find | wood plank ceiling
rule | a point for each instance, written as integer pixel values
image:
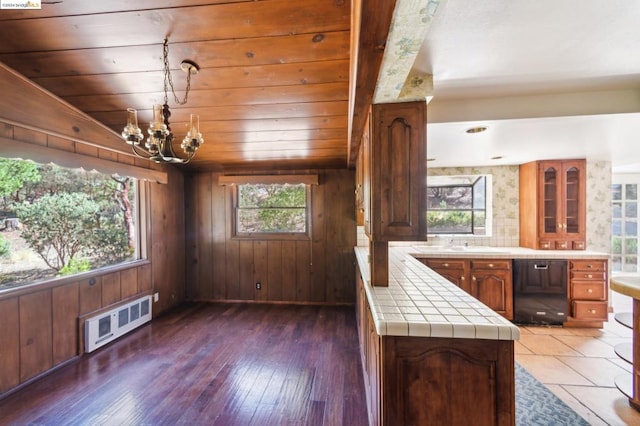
(273, 86)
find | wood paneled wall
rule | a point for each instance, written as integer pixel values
(39, 325)
(318, 270)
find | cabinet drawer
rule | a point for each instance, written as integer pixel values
(596, 311)
(589, 290)
(587, 265)
(586, 275)
(445, 264)
(491, 264)
(546, 245)
(579, 245)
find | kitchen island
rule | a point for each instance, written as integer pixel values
(432, 353)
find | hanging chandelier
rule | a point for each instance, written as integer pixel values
(158, 146)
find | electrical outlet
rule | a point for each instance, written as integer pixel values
(258, 286)
(156, 297)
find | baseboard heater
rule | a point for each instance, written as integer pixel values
(108, 326)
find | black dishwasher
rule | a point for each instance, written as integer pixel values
(539, 291)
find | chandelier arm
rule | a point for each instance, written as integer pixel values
(145, 156)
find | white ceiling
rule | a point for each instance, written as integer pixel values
(548, 78)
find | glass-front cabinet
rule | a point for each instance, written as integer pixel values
(552, 198)
(563, 211)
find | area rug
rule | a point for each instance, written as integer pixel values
(537, 405)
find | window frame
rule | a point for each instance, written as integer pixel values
(141, 215)
(234, 182)
(487, 203)
(619, 260)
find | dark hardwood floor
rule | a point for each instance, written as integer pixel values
(210, 364)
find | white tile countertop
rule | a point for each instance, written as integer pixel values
(466, 252)
(419, 302)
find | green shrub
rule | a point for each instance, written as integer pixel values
(5, 247)
(75, 266)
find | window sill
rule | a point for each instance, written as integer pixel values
(272, 237)
(60, 281)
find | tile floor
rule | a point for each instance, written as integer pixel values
(579, 366)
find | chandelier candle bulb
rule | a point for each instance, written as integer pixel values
(157, 126)
(132, 133)
(194, 139)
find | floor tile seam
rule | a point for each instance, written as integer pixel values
(576, 399)
(578, 373)
(610, 359)
(570, 347)
(540, 379)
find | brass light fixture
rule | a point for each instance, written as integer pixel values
(478, 129)
(158, 146)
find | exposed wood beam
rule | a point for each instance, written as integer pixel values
(26, 104)
(375, 20)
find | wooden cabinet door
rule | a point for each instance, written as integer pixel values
(398, 167)
(550, 205)
(366, 177)
(359, 196)
(573, 201)
(447, 381)
(373, 370)
(494, 288)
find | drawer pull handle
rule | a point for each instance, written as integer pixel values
(589, 290)
(536, 266)
(589, 266)
(592, 311)
(590, 276)
(462, 278)
(446, 265)
(491, 265)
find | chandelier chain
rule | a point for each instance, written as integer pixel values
(168, 82)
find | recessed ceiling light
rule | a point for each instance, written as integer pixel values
(478, 129)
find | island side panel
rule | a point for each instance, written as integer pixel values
(448, 381)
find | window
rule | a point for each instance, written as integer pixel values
(271, 206)
(624, 227)
(277, 208)
(457, 204)
(57, 221)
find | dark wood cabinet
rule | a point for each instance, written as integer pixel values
(393, 190)
(588, 293)
(397, 171)
(488, 280)
(552, 205)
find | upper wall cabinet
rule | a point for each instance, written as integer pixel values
(552, 205)
(395, 176)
